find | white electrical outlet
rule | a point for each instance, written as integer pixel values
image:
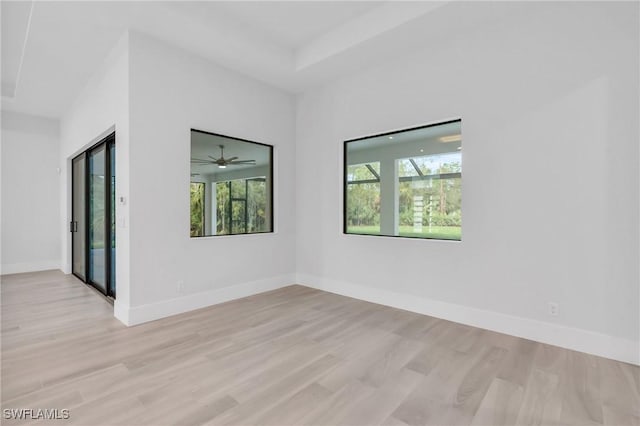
(180, 287)
(554, 308)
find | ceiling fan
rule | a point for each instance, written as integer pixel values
(223, 162)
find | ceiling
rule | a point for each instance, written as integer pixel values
(427, 135)
(204, 145)
(51, 48)
(290, 24)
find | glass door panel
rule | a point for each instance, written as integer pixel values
(112, 216)
(97, 218)
(78, 217)
(223, 208)
(239, 206)
(256, 205)
(238, 216)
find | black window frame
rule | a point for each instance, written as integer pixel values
(346, 182)
(271, 220)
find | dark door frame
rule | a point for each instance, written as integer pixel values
(73, 225)
(109, 145)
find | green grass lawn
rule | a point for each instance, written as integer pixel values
(438, 232)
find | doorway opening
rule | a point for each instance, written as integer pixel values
(92, 225)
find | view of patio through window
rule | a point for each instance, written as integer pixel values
(231, 185)
(241, 206)
(197, 209)
(406, 183)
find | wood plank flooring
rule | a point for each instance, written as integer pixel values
(294, 356)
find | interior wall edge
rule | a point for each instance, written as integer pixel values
(581, 340)
(134, 315)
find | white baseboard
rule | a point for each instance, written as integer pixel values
(19, 268)
(558, 335)
(140, 314)
(121, 312)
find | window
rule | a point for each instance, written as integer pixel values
(234, 183)
(363, 189)
(406, 183)
(197, 209)
(242, 206)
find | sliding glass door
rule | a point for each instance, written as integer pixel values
(97, 218)
(78, 220)
(93, 224)
(111, 162)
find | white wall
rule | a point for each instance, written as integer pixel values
(173, 91)
(548, 95)
(103, 106)
(30, 193)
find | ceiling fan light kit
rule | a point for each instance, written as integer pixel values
(224, 162)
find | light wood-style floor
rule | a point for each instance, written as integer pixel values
(290, 357)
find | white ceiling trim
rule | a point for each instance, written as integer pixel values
(10, 88)
(377, 21)
(68, 40)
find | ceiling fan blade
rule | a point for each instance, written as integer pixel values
(213, 158)
(230, 159)
(243, 162)
(198, 160)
